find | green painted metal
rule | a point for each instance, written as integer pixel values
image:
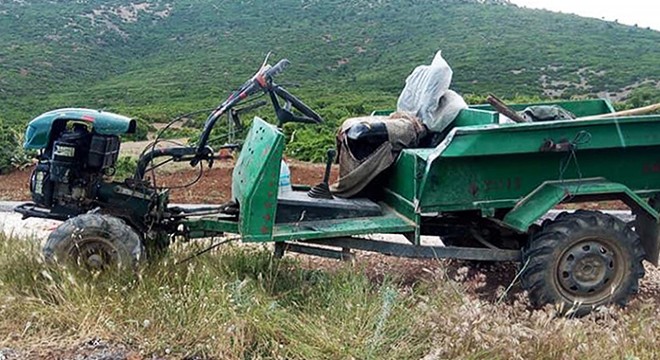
(381, 112)
(202, 227)
(471, 117)
(496, 166)
(390, 222)
(551, 193)
(521, 170)
(485, 114)
(255, 181)
(401, 204)
(39, 129)
(486, 167)
(404, 176)
(529, 137)
(514, 173)
(420, 252)
(578, 107)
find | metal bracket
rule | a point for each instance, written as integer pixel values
(419, 251)
(282, 247)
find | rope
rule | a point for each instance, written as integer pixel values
(581, 138)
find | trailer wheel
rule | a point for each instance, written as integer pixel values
(582, 260)
(95, 242)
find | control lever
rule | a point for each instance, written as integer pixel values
(233, 114)
(322, 190)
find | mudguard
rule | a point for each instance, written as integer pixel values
(39, 130)
(550, 193)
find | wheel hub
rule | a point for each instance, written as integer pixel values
(94, 253)
(95, 261)
(587, 268)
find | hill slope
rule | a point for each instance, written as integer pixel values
(154, 58)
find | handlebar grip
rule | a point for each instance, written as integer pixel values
(277, 68)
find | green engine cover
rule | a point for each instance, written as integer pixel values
(39, 130)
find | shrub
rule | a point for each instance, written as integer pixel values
(125, 167)
(12, 154)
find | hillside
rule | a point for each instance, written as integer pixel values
(154, 59)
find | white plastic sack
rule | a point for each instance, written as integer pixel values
(424, 88)
(450, 106)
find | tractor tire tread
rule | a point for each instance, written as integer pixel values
(538, 256)
(124, 237)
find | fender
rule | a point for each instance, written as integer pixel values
(551, 193)
(41, 128)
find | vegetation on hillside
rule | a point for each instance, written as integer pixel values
(154, 59)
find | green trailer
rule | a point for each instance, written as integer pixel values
(485, 190)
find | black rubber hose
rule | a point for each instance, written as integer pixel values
(174, 152)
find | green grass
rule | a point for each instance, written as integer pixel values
(156, 67)
(239, 303)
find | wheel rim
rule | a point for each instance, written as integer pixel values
(94, 253)
(589, 271)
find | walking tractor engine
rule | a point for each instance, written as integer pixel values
(72, 166)
(78, 153)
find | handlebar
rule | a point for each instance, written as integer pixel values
(259, 81)
(262, 80)
(310, 115)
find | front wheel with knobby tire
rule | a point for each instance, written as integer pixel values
(95, 242)
(581, 261)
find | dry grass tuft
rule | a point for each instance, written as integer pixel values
(240, 303)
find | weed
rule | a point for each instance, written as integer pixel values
(239, 302)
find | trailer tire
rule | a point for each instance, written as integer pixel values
(581, 261)
(95, 242)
